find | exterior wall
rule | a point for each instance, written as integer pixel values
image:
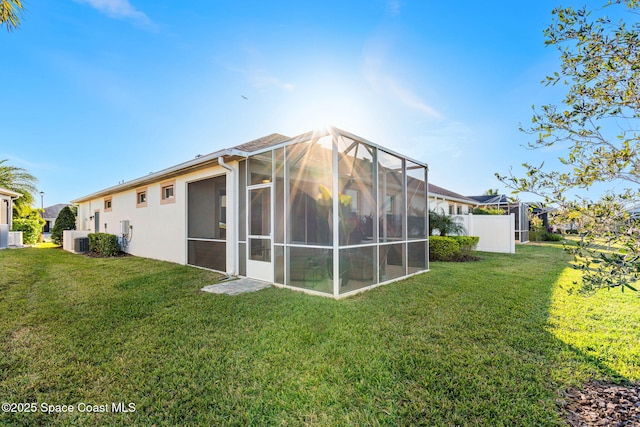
(157, 230)
(496, 232)
(447, 206)
(5, 209)
(5, 219)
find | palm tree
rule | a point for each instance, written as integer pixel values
(10, 13)
(446, 224)
(19, 180)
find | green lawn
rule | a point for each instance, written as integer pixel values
(492, 342)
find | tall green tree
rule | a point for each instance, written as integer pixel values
(19, 180)
(10, 13)
(598, 124)
(66, 220)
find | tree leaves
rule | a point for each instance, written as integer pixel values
(599, 123)
(10, 13)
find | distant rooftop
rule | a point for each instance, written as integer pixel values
(260, 143)
(54, 210)
(435, 190)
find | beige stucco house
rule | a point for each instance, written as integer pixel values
(326, 212)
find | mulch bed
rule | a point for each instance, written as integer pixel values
(602, 404)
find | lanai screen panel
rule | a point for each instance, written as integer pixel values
(391, 192)
(416, 202)
(309, 237)
(207, 223)
(339, 199)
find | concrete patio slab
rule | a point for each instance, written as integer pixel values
(236, 287)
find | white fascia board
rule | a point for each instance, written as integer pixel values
(194, 164)
(454, 199)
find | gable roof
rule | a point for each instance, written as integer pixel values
(435, 190)
(260, 143)
(53, 211)
(234, 153)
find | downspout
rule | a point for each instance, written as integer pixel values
(232, 202)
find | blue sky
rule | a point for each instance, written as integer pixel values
(100, 91)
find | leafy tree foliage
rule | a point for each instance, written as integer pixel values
(66, 221)
(30, 223)
(10, 13)
(19, 180)
(598, 124)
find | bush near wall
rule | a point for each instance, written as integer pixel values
(104, 244)
(544, 236)
(467, 244)
(452, 248)
(31, 229)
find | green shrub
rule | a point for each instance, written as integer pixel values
(31, 228)
(544, 236)
(492, 211)
(467, 244)
(553, 237)
(66, 221)
(104, 244)
(443, 248)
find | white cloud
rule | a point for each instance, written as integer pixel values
(120, 9)
(262, 79)
(394, 6)
(385, 83)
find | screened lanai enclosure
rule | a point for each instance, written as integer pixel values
(329, 213)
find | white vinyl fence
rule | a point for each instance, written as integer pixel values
(496, 232)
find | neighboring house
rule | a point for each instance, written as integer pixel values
(50, 215)
(6, 212)
(519, 209)
(266, 210)
(443, 200)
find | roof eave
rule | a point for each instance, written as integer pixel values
(9, 193)
(454, 199)
(198, 163)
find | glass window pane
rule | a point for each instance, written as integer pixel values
(310, 172)
(391, 262)
(390, 185)
(310, 268)
(260, 211)
(357, 207)
(260, 168)
(418, 256)
(357, 268)
(416, 201)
